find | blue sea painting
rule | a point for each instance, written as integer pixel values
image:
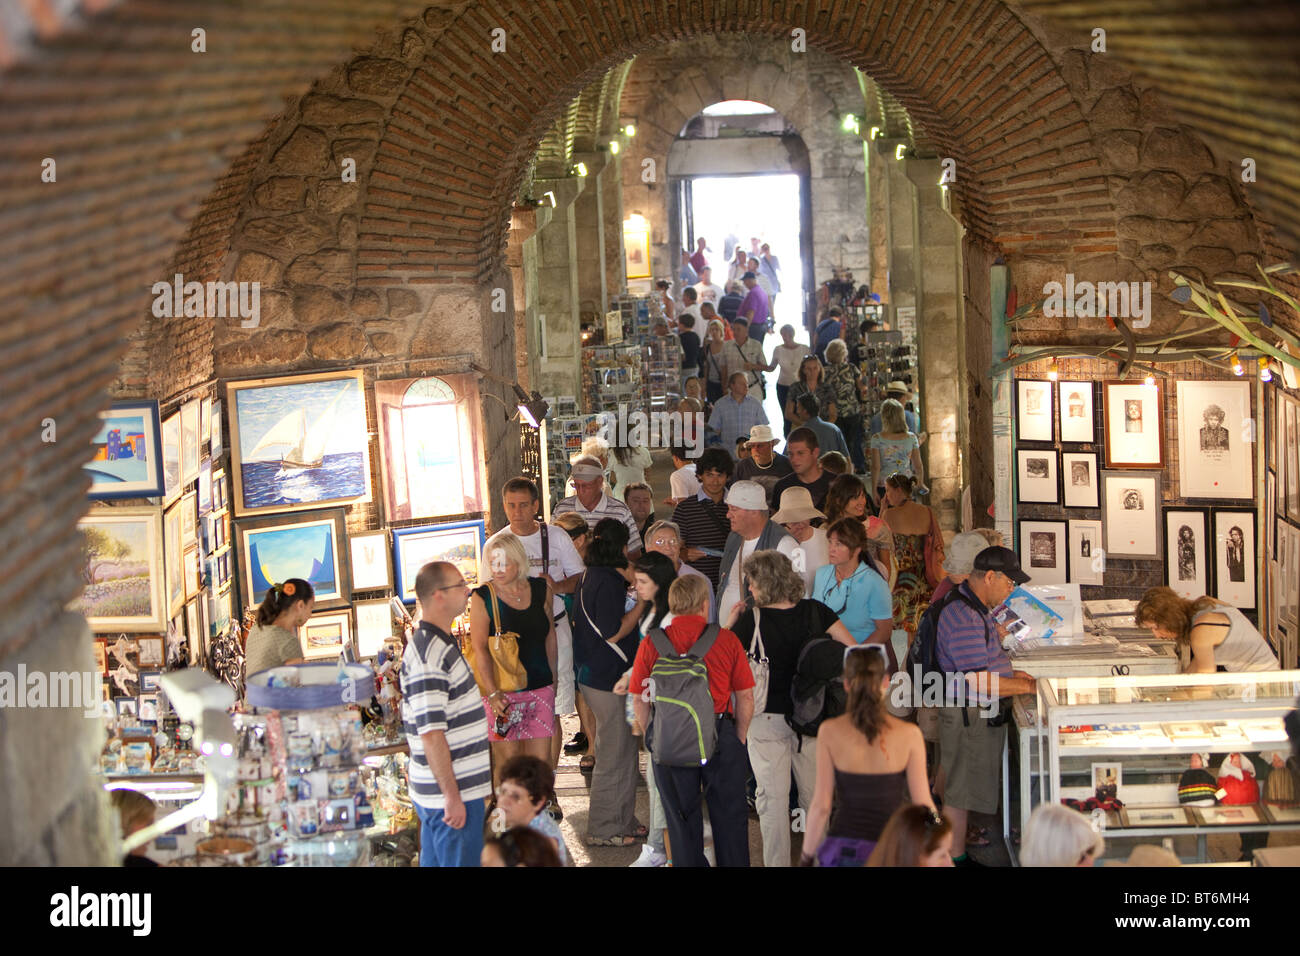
(119, 450)
(302, 444)
(300, 551)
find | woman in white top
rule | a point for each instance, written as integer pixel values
(628, 464)
(787, 356)
(1219, 636)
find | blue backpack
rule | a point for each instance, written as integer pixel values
(828, 330)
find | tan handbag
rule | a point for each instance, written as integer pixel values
(503, 647)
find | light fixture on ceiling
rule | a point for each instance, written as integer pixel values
(1237, 367)
(1265, 373)
(1053, 370)
(851, 124)
(614, 146)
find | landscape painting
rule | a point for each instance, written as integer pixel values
(121, 568)
(126, 453)
(461, 543)
(300, 442)
(272, 550)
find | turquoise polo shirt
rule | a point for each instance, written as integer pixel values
(860, 600)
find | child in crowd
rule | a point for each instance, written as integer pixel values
(519, 846)
(527, 786)
(135, 811)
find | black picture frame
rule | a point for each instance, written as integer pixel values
(1025, 410)
(1052, 459)
(1068, 460)
(1241, 592)
(1174, 520)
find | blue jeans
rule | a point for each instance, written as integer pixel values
(440, 845)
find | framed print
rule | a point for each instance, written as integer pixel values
(1079, 479)
(460, 542)
(370, 568)
(429, 447)
(1042, 551)
(122, 570)
(1033, 410)
(312, 547)
(1293, 577)
(192, 571)
(1282, 814)
(636, 248)
(1290, 453)
(171, 456)
(1234, 556)
(218, 614)
(205, 486)
(192, 626)
(216, 447)
(205, 421)
(189, 441)
(1087, 553)
(1153, 816)
(1216, 433)
(1187, 552)
(219, 491)
(1076, 412)
(325, 634)
(1107, 778)
(175, 581)
(1229, 814)
(1134, 425)
(101, 657)
(1131, 514)
(148, 712)
(151, 652)
(1036, 475)
(127, 707)
(189, 518)
(149, 681)
(374, 626)
(299, 442)
(126, 453)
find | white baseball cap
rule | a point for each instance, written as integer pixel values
(748, 496)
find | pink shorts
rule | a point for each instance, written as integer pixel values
(532, 710)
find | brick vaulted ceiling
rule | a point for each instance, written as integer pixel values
(156, 144)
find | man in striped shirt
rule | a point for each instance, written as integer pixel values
(442, 713)
(590, 501)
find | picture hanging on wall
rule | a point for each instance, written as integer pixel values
(1131, 514)
(1087, 553)
(374, 626)
(299, 442)
(429, 446)
(205, 486)
(370, 567)
(217, 448)
(1134, 425)
(189, 518)
(205, 421)
(1215, 440)
(126, 453)
(273, 549)
(460, 542)
(1187, 551)
(1042, 551)
(1290, 452)
(190, 415)
(1036, 475)
(175, 581)
(1234, 556)
(121, 569)
(324, 635)
(1076, 412)
(171, 456)
(1033, 410)
(1079, 479)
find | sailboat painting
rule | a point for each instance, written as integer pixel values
(126, 452)
(299, 442)
(274, 549)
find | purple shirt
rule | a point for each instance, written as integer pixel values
(968, 640)
(755, 299)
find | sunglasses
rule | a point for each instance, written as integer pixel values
(878, 648)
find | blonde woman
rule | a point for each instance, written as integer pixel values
(522, 720)
(1059, 836)
(894, 449)
(713, 364)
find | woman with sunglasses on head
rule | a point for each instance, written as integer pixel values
(869, 761)
(781, 622)
(853, 588)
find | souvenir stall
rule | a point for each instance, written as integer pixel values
(1128, 471)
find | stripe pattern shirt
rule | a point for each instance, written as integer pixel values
(606, 507)
(439, 693)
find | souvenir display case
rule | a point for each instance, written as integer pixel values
(1130, 745)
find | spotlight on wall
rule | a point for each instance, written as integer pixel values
(580, 169)
(851, 124)
(532, 408)
(1053, 370)
(1265, 373)
(629, 130)
(1237, 367)
(614, 146)
(899, 150)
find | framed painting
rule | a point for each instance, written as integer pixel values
(1042, 551)
(192, 571)
(1216, 436)
(171, 456)
(189, 518)
(172, 560)
(148, 708)
(205, 486)
(218, 613)
(324, 635)
(151, 652)
(1227, 815)
(1036, 476)
(374, 626)
(149, 681)
(1234, 556)
(1289, 452)
(1187, 551)
(1033, 410)
(101, 657)
(216, 447)
(430, 447)
(126, 453)
(1154, 816)
(1079, 479)
(190, 441)
(122, 570)
(299, 442)
(1076, 412)
(459, 542)
(220, 502)
(636, 248)
(273, 549)
(370, 564)
(1087, 553)
(1131, 514)
(192, 628)
(205, 421)
(1134, 425)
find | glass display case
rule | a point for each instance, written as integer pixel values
(1131, 740)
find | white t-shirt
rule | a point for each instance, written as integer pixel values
(732, 596)
(788, 360)
(565, 561)
(631, 473)
(682, 483)
(815, 554)
(709, 293)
